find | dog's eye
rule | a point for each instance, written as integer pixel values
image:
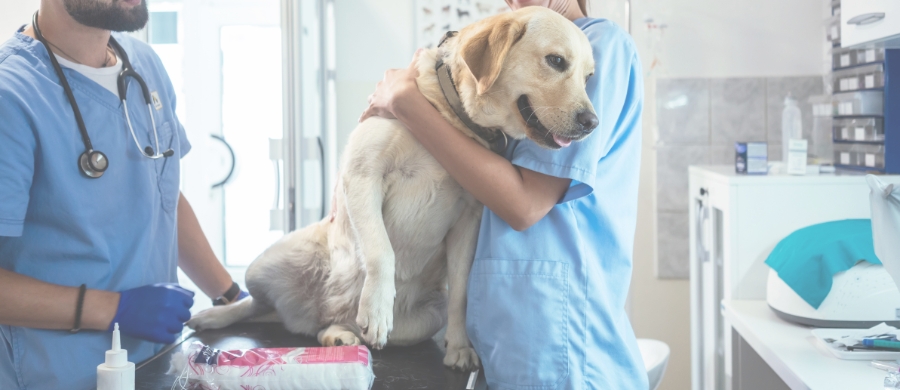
(557, 62)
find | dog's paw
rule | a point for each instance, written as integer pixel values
(337, 336)
(375, 316)
(213, 318)
(461, 358)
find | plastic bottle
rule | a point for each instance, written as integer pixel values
(791, 125)
(117, 373)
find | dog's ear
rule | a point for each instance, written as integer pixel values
(485, 50)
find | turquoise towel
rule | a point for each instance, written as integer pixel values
(808, 258)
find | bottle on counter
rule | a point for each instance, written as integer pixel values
(791, 125)
(117, 373)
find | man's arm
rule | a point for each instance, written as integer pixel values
(32, 303)
(196, 257)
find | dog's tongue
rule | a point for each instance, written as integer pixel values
(563, 142)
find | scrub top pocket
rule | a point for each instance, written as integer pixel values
(517, 320)
(167, 167)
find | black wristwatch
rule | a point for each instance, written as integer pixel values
(229, 296)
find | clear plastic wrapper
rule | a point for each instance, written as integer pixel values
(821, 148)
(859, 129)
(859, 155)
(859, 103)
(200, 367)
(847, 57)
(833, 29)
(862, 77)
(892, 381)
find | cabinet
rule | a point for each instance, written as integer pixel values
(735, 222)
(865, 22)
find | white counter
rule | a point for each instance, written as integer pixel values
(793, 353)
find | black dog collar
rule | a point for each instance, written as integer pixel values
(494, 137)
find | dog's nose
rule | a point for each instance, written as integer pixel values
(587, 120)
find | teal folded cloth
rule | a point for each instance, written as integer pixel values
(808, 259)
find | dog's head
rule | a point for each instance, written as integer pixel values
(525, 73)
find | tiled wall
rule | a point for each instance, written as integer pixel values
(698, 122)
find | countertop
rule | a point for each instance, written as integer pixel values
(416, 367)
(726, 174)
(793, 353)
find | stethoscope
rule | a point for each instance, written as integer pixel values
(93, 162)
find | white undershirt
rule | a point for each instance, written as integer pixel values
(107, 77)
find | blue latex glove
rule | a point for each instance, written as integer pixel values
(242, 295)
(154, 313)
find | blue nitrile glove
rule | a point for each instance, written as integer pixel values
(242, 295)
(155, 313)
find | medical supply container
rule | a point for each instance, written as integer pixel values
(820, 140)
(847, 57)
(866, 127)
(859, 155)
(860, 77)
(791, 126)
(833, 30)
(859, 103)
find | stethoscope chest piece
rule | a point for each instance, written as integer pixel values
(93, 163)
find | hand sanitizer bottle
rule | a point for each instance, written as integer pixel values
(791, 126)
(117, 373)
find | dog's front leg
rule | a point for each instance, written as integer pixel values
(364, 195)
(461, 242)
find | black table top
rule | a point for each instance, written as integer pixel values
(396, 368)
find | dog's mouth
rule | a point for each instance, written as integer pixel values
(540, 132)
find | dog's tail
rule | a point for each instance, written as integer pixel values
(221, 316)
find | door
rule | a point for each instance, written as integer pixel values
(252, 94)
(224, 58)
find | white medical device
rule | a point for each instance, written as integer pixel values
(861, 297)
(864, 295)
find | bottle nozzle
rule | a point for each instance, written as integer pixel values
(116, 373)
(116, 341)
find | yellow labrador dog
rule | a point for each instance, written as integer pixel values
(405, 231)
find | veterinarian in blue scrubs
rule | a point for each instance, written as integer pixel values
(547, 291)
(79, 253)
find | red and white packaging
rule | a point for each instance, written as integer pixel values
(204, 368)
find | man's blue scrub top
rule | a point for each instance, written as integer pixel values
(546, 306)
(58, 226)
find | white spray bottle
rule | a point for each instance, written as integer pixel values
(117, 373)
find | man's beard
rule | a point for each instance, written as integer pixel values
(108, 16)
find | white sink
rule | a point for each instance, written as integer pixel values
(656, 356)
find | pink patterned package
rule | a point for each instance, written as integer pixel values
(204, 368)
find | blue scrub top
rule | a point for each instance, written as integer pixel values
(546, 306)
(58, 226)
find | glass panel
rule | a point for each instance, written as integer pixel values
(163, 27)
(251, 114)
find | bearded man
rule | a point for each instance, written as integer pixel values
(92, 222)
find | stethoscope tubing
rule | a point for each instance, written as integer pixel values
(122, 84)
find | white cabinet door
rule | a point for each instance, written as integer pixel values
(870, 21)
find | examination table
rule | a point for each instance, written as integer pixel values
(396, 368)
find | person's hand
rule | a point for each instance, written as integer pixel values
(397, 85)
(154, 313)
